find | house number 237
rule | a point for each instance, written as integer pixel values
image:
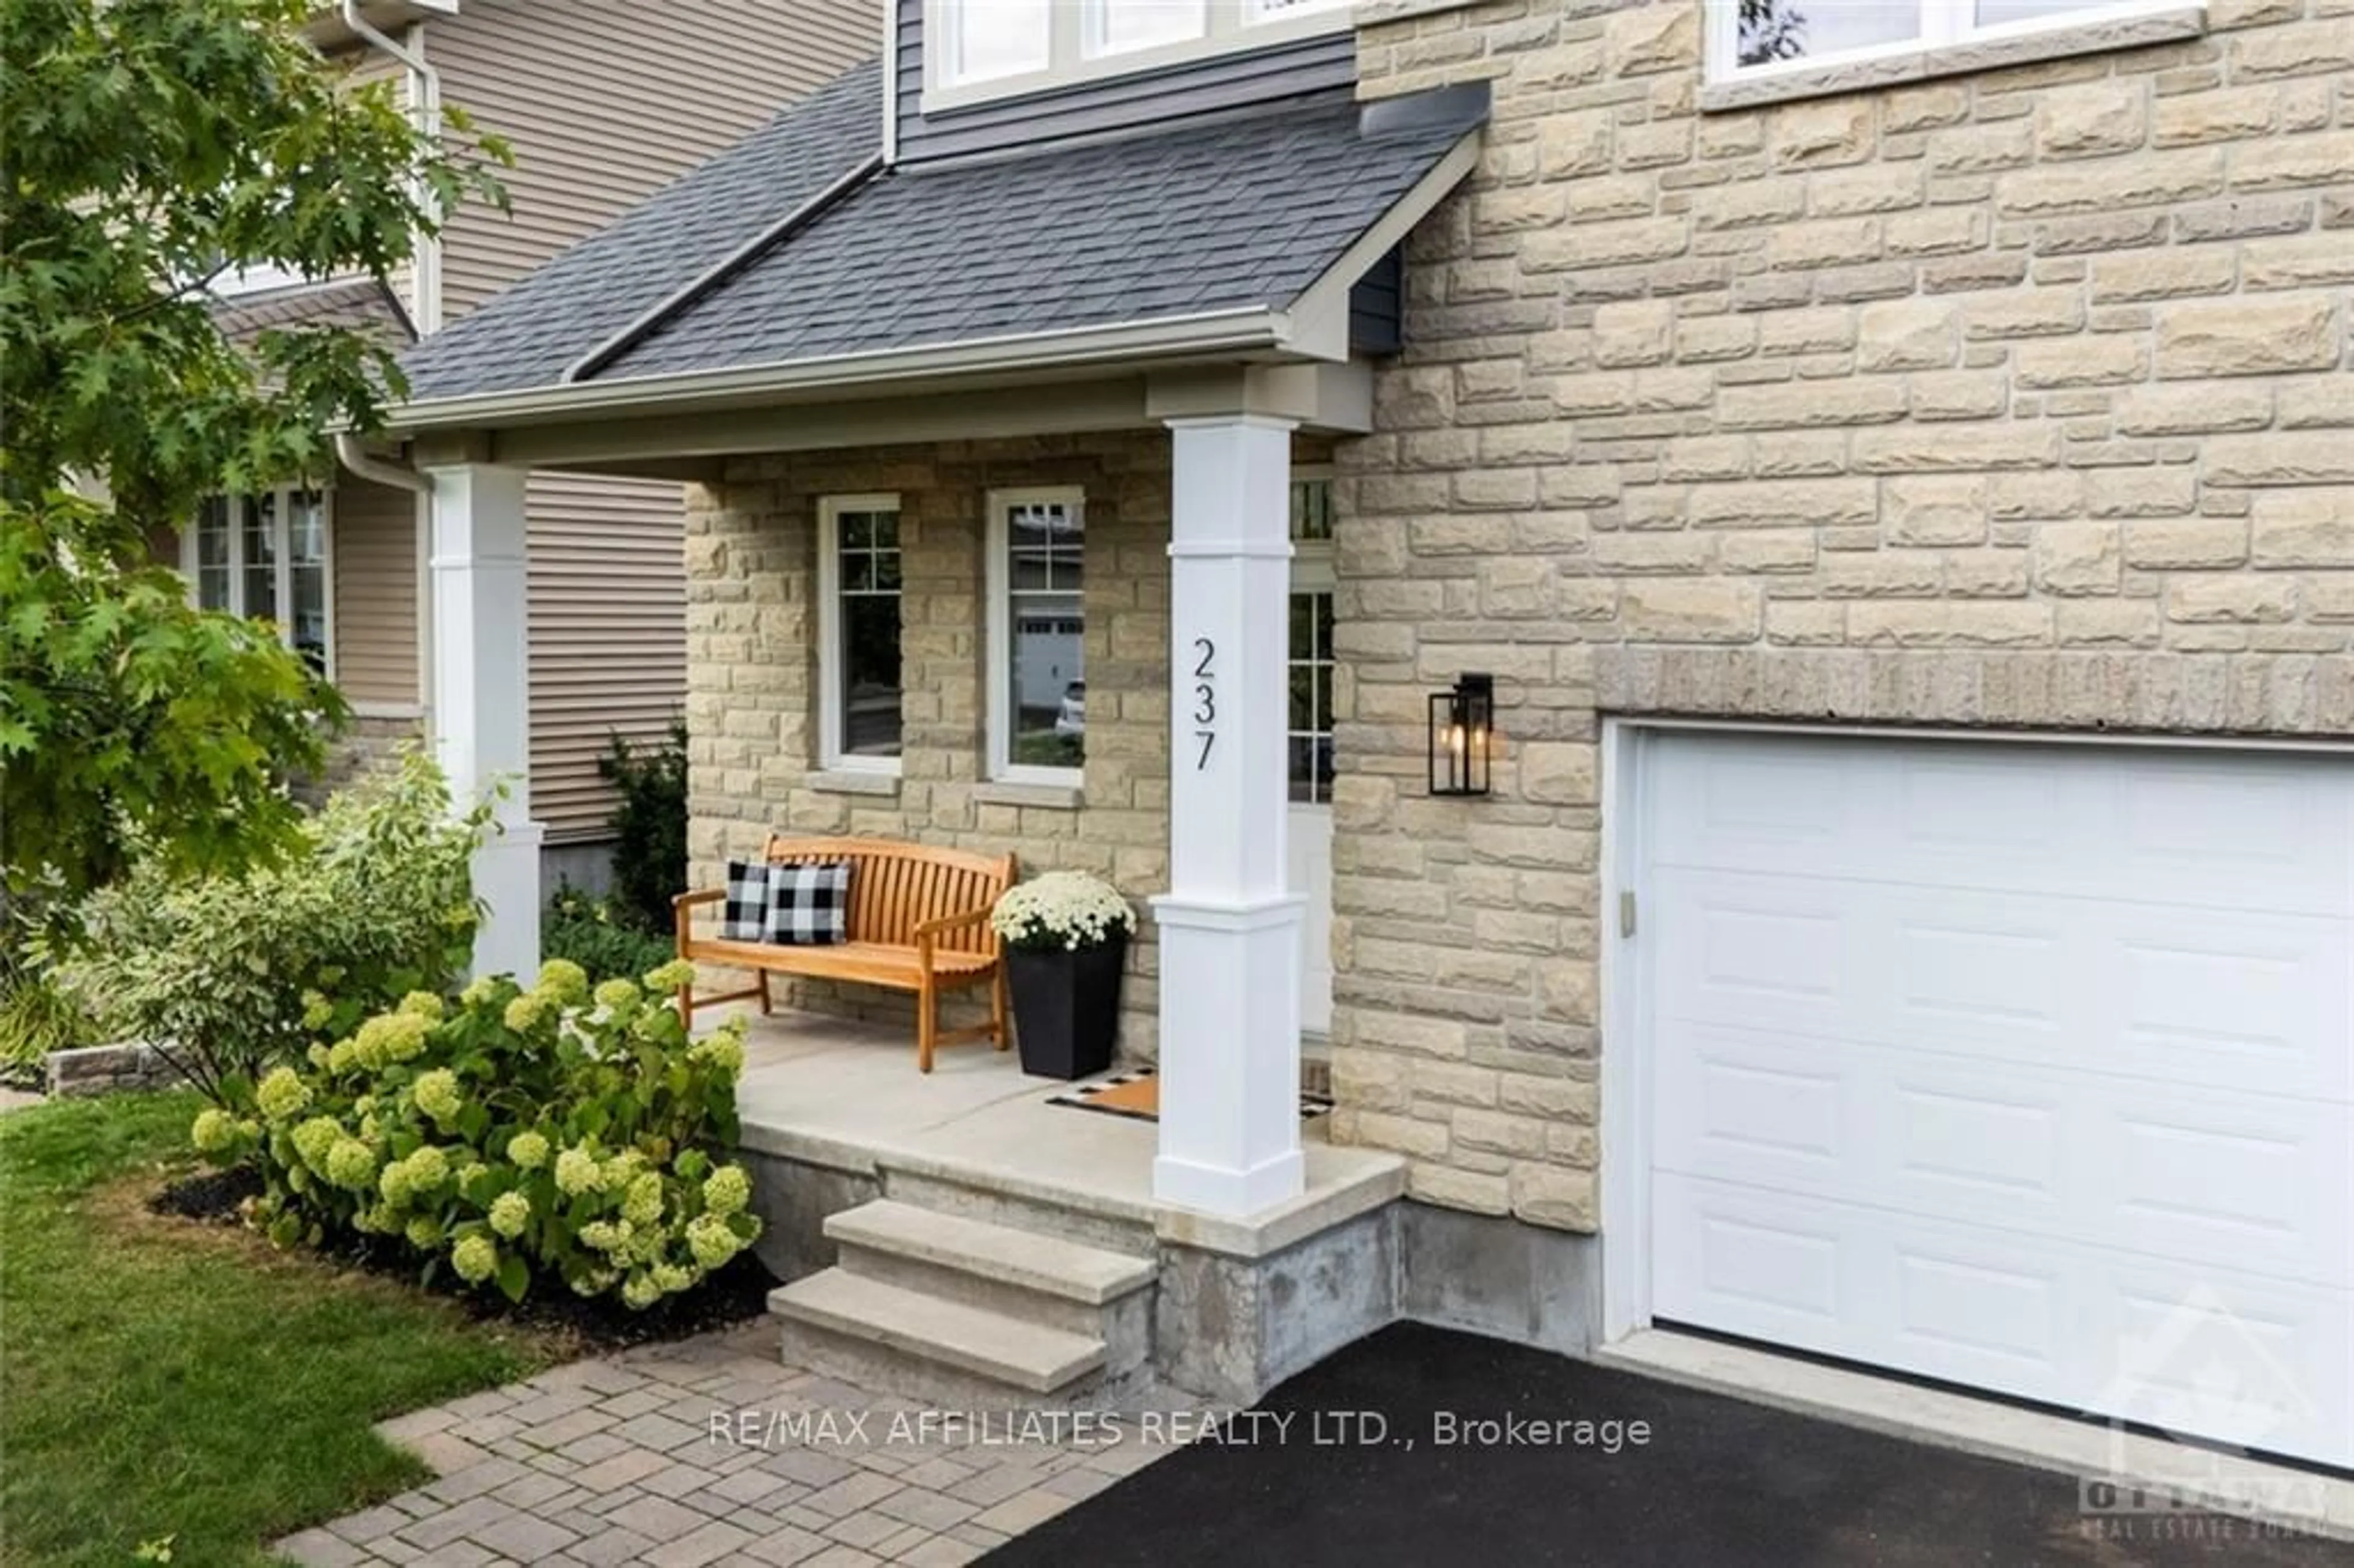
(1205, 700)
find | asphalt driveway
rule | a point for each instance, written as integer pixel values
(1372, 1458)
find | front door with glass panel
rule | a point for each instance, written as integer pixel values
(1311, 749)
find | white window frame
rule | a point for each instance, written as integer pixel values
(281, 611)
(1095, 27)
(1074, 30)
(998, 581)
(1313, 571)
(1944, 24)
(829, 666)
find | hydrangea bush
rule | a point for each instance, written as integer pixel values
(550, 1133)
(1062, 911)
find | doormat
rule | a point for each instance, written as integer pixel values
(1137, 1095)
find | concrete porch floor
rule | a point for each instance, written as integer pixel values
(845, 1095)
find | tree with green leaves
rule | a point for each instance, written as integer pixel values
(151, 148)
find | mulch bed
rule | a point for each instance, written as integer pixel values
(737, 1294)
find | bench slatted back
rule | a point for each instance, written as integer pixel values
(894, 887)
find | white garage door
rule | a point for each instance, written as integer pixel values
(2025, 1067)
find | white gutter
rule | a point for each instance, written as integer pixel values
(399, 476)
(1242, 329)
(719, 272)
(426, 84)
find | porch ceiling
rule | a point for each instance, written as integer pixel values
(794, 268)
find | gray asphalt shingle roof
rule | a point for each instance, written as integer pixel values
(527, 335)
(1236, 213)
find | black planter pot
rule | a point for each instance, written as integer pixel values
(1066, 1008)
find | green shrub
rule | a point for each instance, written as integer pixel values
(39, 1014)
(600, 936)
(227, 975)
(650, 825)
(555, 1133)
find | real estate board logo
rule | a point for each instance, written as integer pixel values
(2199, 1388)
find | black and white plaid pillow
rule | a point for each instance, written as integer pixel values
(809, 905)
(745, 917)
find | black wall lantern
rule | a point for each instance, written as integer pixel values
(1462, 734)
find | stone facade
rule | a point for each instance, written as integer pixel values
(2015, 398)
(752, 708)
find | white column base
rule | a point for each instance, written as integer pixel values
(506, 879)
(1229, 1082)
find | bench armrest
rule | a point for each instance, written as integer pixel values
(928, 932)
(682, 912)
(952, 922)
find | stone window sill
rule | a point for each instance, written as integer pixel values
(1046, 796)
(2166, 27)
(853, 781)
(1373, 13)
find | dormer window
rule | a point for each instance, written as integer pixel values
(1123, 26)
(985, 40)
(977, 49)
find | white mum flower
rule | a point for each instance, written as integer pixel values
(1065, 909)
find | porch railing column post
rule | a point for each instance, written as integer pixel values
(1229, 923)
(481, 692)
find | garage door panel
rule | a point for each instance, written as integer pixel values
(2239, 1000)
(1949, 1304)
(2255, 1362)
(2205, 830)
(2212, 998)
(2260, 1184)
(2025, 1067)
(2263, 1364)
(2252, 1182)
(1901, 969)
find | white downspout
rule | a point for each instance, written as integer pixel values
(425, 106)
(890, 82)
(425, 314)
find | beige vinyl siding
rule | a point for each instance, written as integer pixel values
(608, 589)
(605, 103)
(373, 544)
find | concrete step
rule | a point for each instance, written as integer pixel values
(991, 1346)
(1044, 1215)
(1022, 1260)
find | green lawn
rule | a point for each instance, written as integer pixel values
(163, 1378)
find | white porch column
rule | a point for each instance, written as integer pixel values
(481, 726)
(1229, 924)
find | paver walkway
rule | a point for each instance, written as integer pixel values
(710, 1451)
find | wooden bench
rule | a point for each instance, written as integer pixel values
(918, 922)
